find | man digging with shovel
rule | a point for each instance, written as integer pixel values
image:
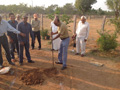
(64, 36)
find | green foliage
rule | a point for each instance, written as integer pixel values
(114, 5)
(50, 16)
(44, 33)
(107, 41)
(65, 18)
(116, 23)
(84, 5)
(68, 8)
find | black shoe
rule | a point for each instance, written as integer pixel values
(58, 63)
(11, 63)
(63, 68)
(20, 64)
(31, 61)
(82, 55)
(52, 49)
(77, 54)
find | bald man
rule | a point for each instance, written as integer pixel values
(36, 31)
(64, 36)
(82, 33)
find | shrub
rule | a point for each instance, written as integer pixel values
(107, 41)
(44, 33)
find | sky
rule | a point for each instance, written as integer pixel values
(99, 4)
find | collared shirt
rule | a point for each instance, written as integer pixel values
(5, 26)
(63, 31)
(35, 25)
(82, 30)
(11, 34)
(26, 29)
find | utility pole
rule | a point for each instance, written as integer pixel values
(32, 3)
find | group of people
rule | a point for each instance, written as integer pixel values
(18, 33)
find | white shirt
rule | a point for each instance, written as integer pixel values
(5, 26)
(82, 30)
(56, 42)
(54, 27)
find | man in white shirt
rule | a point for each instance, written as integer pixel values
(82, 33)
(56, 43)
(4, 27)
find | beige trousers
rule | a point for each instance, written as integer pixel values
(80, 43)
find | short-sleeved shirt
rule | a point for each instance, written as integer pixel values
(63, 31)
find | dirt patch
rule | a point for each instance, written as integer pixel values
(50, 72)
(38, 75)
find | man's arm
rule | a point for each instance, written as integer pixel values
(54, 33)
(56, 37)
(11, 29)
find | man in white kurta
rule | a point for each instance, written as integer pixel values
(82, 33)
(56, 43)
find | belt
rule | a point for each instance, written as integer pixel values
(64, 38)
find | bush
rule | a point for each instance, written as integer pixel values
(44, 34)
(107, 41)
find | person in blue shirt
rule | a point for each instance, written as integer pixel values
(25, 28)
(4, 27)
(13, 37)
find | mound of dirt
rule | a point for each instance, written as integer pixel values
(50, 72)
(37, 76)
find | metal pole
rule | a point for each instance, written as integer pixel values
(103, 24)
(42, 21)
(32, 3)
(52, 48)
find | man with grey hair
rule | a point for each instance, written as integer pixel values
(64, 36)
(81, 35)
(4, 27)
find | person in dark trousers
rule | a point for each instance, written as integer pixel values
(13, 37)
(4, 27)
(36, 31)
(25, 28)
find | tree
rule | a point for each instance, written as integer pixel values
(69, 8)
(114, 5)
(84, 5)
(50, 9)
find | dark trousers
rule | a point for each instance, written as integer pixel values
(4, 43)
(37, 34)
(12, 48)
(21, 48)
